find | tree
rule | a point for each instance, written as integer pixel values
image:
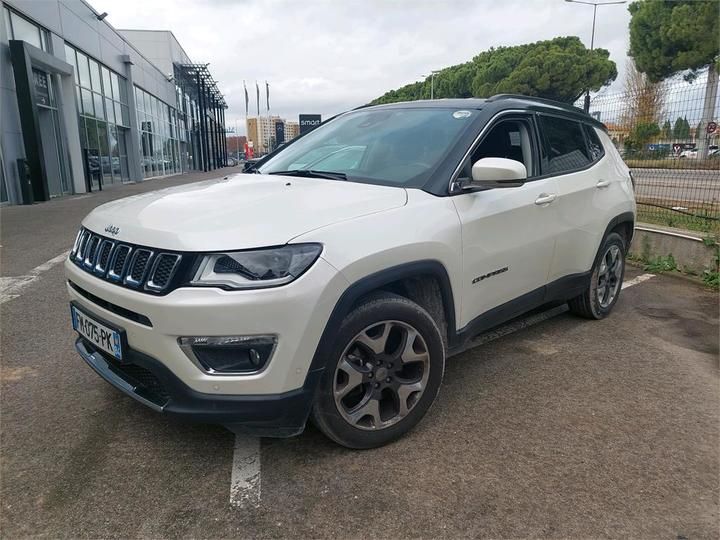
(560, 69)
(668, 37)
(644, 98)
(667, 131)
(681, 131)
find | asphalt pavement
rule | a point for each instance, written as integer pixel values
(568, 428)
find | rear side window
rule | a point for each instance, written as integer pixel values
(565, 148)
(594, 144)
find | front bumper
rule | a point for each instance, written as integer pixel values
(151, 383)
(296, 313)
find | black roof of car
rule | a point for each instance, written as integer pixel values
(499, 101)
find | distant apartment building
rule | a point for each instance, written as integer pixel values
(263, 132)
(260, 130)
(292, 130)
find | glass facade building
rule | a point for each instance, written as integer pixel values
(104, 118)
(86, 105)
(158, 132)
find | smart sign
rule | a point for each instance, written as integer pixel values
(308, 122)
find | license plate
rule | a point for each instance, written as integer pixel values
(97, 333)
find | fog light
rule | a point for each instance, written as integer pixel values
(229, 355)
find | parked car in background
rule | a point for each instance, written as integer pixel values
(333, 282)
(693, 153)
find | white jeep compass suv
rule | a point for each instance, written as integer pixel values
(333, 281)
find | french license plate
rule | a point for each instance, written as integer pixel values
(100, 335)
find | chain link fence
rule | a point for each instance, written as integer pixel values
(668, 136)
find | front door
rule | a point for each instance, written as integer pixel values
(54, 150)
(508, 234)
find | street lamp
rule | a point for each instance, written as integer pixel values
(592, 37)
(432, 82)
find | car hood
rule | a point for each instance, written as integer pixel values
(238, 212)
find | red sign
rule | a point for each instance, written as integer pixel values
(711, 127)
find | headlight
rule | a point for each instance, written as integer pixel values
(258, 268)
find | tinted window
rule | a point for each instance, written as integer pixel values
(565, 146)
(594, 144)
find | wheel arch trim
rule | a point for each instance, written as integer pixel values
(373, 282)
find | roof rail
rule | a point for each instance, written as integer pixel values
(560, 104)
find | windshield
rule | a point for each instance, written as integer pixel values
(395, 147)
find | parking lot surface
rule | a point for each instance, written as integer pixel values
(568, 428)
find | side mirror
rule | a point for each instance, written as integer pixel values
(493, 172)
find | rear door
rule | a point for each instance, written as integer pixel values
(508, 234)
(573, 155)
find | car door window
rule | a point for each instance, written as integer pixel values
(510, 139)
(565, 147)
(594, 144)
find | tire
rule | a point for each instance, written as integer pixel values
(388, 351)
(597, 302)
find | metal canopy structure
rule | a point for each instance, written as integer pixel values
(197, 82)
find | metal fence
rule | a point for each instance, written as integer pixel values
(662, 132)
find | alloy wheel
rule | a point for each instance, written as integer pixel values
(381, 375)
(609, 276)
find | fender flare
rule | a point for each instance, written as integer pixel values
(625, 217)
(373, 282)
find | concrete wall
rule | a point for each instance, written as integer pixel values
(690, 251)
(158, 46)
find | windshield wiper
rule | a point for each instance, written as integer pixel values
(310, 173)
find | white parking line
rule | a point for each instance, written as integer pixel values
(636, 280)
(12, 287)
(245, 479)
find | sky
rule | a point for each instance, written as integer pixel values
(325, 56)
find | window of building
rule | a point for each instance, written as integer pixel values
(158, 135)
(18, 27)
(104, 118)
(565, 148)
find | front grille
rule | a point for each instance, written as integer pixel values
(104, 252)
(162, 272)
(136, 267)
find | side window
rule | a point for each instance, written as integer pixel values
(511, 139)
(565, 146)
(594, 144)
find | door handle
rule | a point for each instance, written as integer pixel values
(544, 198)
(602, 184)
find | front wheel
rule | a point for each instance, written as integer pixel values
(384, 375)
(603, 291)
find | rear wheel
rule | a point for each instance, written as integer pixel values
(385, 373)
(603, 291)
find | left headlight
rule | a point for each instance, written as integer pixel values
(256, 269)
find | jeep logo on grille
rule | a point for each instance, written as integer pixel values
(112, 229)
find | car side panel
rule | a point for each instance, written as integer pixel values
(587, 201)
